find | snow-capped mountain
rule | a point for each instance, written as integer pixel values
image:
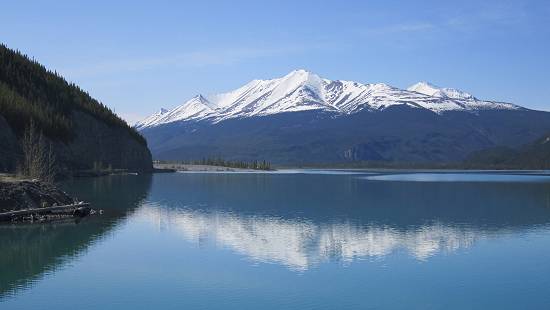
(304, 118)
(435, 91)
(301, 90)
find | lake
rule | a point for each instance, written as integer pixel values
(293, 239)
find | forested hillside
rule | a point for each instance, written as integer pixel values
(84, 131)
(28, 90)
(535, 155)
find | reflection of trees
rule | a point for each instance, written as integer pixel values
(28, 251)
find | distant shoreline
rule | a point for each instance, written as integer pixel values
(206, 168)
(172, 167)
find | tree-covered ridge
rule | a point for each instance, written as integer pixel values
(535, 155)
(29, 91)
(18, 111)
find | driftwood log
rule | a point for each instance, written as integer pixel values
(75, 210)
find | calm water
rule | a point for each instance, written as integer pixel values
(292, 240)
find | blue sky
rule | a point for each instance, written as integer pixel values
(139, 56)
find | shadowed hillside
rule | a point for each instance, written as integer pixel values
(82, 130)
(534, 155)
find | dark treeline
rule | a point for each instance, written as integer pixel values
(29, 91)
(535, 155)
(218, 161)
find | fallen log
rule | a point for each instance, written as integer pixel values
(78, 210)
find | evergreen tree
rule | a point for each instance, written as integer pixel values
(29, 91)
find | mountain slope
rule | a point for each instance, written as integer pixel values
(435, 91)
(302, 118)
(83, 131)
(533, 155)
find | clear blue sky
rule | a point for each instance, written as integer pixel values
(137, 57)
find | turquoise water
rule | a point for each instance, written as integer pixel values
(289, 240)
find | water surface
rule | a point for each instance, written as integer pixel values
(289, 240)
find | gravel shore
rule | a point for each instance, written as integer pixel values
(189, 167)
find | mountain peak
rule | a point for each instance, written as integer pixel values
(199, 100)
(301, 75)
(424, 87)
(429, 89)
(300, 71)
(199, 97)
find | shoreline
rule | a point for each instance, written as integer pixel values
(167, 168)
(174, 167)
(20, 194)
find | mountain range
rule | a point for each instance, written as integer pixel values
(301, 90)
(304, 118)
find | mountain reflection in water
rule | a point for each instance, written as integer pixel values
(299, 244)
(303, 220)
(292, 240)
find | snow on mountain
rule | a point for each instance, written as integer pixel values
(434, 91)
(297, 91)
(301, 90)
(152, 119)
(196, 108)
